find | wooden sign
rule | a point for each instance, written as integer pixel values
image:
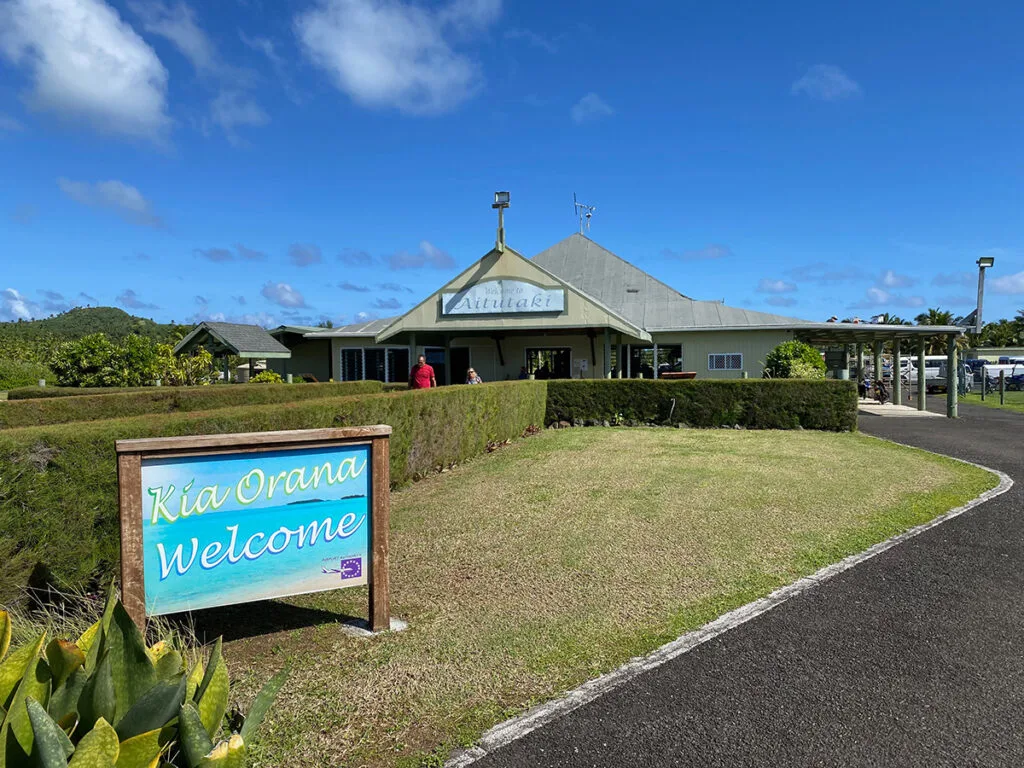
(220, 519)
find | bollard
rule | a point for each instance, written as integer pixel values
(1002, 387)
(984, 382)
(42, 382)
(288, 378)
(158, 383)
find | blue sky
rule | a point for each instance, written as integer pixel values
(282, 162)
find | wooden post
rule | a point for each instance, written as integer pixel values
(1002, 387)
(860, 362)
(922, 389)
(951, 378)
(984, 383)
(655, 361)
(380, 606)
(129, 488)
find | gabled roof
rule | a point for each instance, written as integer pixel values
(233, 339)
(355, 330)
(642, 299)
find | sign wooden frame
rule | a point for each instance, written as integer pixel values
(131, 453)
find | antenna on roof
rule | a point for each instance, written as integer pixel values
(582, 212)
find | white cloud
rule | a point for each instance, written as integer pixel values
(827, 83)
(87, 65)
(178, 24)
(304, 254)
(283, 295)
(879, 297)
(130, 300)
(390, 53)
(14, 306)
(1008, 284)
(232, 109)
(590, 107)
(767, 285)
(891, 279)
(116, 196)
(428, 255)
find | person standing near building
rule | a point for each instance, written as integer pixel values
(473, 378)
(422, 375)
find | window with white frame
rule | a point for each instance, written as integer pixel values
(730, 361)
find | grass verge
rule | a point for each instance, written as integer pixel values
(528, 571)
(1014, 401)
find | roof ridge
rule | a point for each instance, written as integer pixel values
(630, 264)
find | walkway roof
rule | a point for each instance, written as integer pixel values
(233, 339)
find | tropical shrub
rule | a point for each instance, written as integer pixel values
(266, 377)
(17, 373)
(183, 370)
(794, 360)
(108, 700)
(96, 361)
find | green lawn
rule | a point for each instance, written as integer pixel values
(1014, 401)
(533, 569)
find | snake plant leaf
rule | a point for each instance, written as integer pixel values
(155, 709)
(262, 703)
(97, 701)
(16, 735)
(87, 642)
(52, 747)
(212, 696)
(98, 748)
(237, 752)
(144, 750)
(169, 665)
(64, 657)
(64, 699)
(131, 669)
(12, 670)
(195, 677)
(194, 741)
(68, 723)
(216, 656)
(5, 633)
(217, 757)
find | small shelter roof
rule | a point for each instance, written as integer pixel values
(233, 339)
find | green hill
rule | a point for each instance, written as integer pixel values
(82, 321)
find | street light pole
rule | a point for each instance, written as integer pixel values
(983, 263)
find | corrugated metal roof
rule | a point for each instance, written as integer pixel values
(368, 328)
(640, 298)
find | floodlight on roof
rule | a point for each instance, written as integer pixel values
(986, 261)
(501, 199)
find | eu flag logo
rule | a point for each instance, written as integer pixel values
(351, 567)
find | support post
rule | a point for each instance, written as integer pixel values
(379, 585)
(922, 390)
(412, 356)
(951, 378)
(860, 362)
(984, 383)
(897, 381)
(655, 375)
(879, 374)
(1002, 387)
(607, 353)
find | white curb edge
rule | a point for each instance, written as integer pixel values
(542, 714)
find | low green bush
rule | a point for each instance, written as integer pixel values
(109, 698)
(58, 484)
(32, 413)
(16, 373)
(49, 391)
(750, 403)
(794, 360)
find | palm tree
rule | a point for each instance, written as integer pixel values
(1002, 333)
(937, 344)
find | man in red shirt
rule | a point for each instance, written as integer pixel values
(422, 375)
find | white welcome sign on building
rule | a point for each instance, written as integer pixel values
(496, 297)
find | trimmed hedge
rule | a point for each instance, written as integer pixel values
(58, 484)
(33, 392)
(112, 405)
(750, 403)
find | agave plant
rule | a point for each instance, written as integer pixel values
(109, 701)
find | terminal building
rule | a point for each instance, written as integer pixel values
(575, 310)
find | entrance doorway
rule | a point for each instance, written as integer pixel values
(460, 364)
(435, 359)
(549, 362)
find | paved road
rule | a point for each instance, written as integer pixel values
(914, 658)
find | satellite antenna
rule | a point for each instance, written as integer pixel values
(582, 212)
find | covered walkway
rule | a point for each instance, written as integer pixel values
(873, 337)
